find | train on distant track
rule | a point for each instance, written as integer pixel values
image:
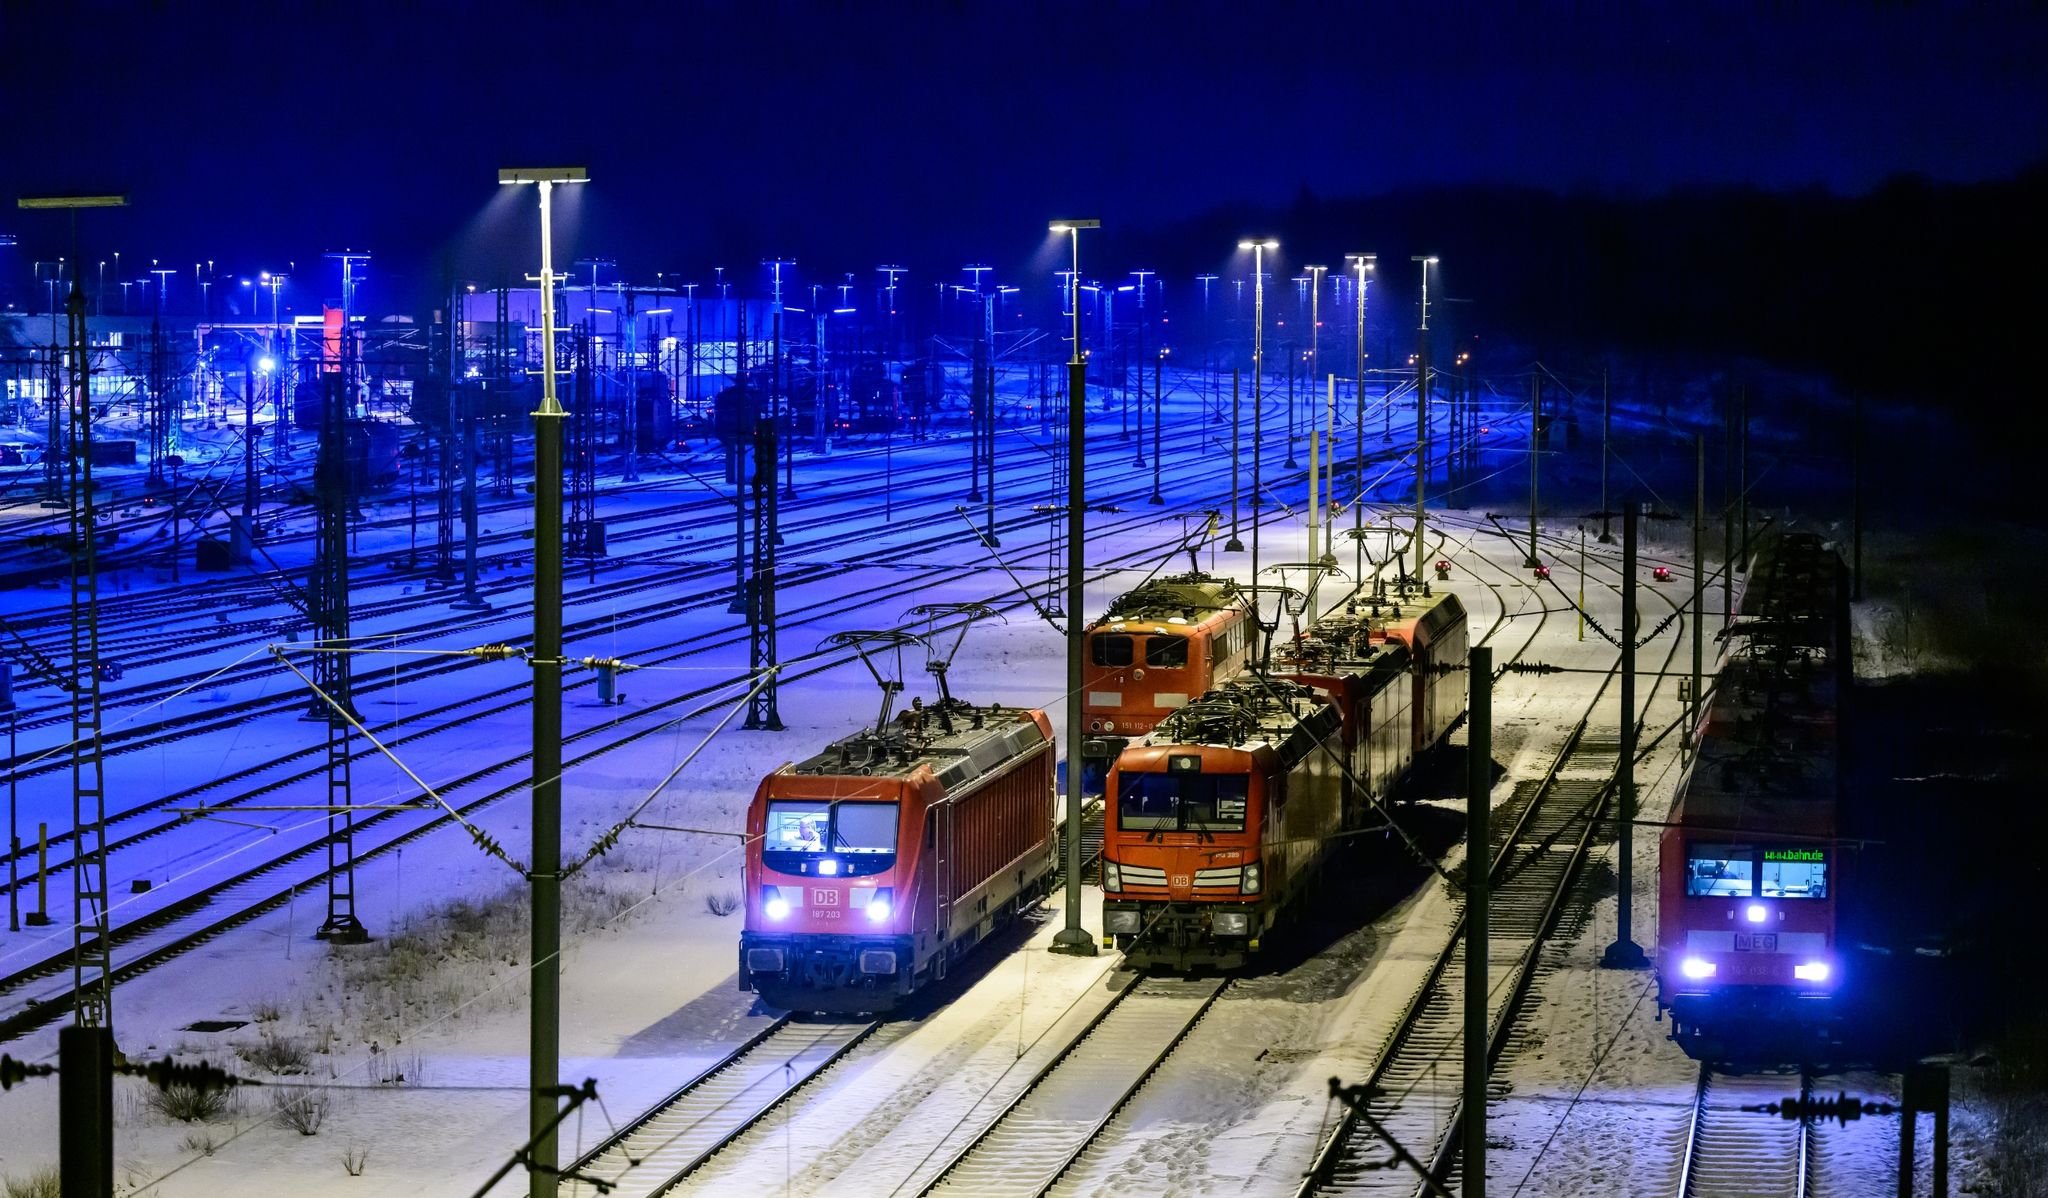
(1156, 648)
(1220, 822)
(875, 865)
(1749, 965)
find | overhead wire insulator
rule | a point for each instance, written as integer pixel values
(496, 652)
(1843, 1108)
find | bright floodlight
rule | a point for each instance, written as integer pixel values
(1268, 244)
(1696, 969)
(1068, 226)
(544, 174)
(72, 202)
(266, 364)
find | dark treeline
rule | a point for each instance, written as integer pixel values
(1917, 289)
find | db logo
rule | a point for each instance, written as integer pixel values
(1180, 879)
(824, 898)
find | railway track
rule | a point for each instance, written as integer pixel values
(1733, 1153)
(167, 931)
(1031, 1141)
(1549, 825)
(667, 1143)
(490, 702)
(52, 714)
(1417, 1077)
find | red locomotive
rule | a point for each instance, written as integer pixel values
(874, 865)
(1224, 815)
(1156, 648)
(1437, 635)
(1748, 961)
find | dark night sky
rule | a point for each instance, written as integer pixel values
(860, 132)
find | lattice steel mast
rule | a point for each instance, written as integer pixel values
(333, 487)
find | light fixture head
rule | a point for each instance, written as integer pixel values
(107, 201)
(1067, 226)
(544, 174)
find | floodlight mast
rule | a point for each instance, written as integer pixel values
(1365, 263)
(1421, 409)
(545, 1027)
(1073, 938)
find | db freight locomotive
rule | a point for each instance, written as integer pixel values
(1223, 817)
(1157, 647)
(873, 866)
(1748, 962)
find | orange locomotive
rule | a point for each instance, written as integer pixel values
(1158, 647)
(1223, 818)
(875, 864)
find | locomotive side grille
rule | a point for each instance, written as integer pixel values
(1227, 878)
(1142, 875)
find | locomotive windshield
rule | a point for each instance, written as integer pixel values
(1106, 650)
(1795, 873)
(1719, 870)
(1166, 652)
(826, 838)
(1181, 802)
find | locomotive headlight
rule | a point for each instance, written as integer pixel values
(828, 867)
(1696, 969)
(1756, 913)
(773, 904)
(1252, 880)
(1811, 971)
(881, 904)
(1112, 877)
(1233, 923)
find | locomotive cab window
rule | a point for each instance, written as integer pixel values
(1795, 873)
(1110, 650)
(1181, 802)
(829, 839)
(1166, 652)
(1719, 870)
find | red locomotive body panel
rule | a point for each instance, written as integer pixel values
(1438, 638)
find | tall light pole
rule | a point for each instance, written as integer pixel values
(1258, 249)
(1329, 447)
(889, 324)
(1421, 409)
(1158, 397)
(544, 1043)
(1073, 938)
(1365, 264)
